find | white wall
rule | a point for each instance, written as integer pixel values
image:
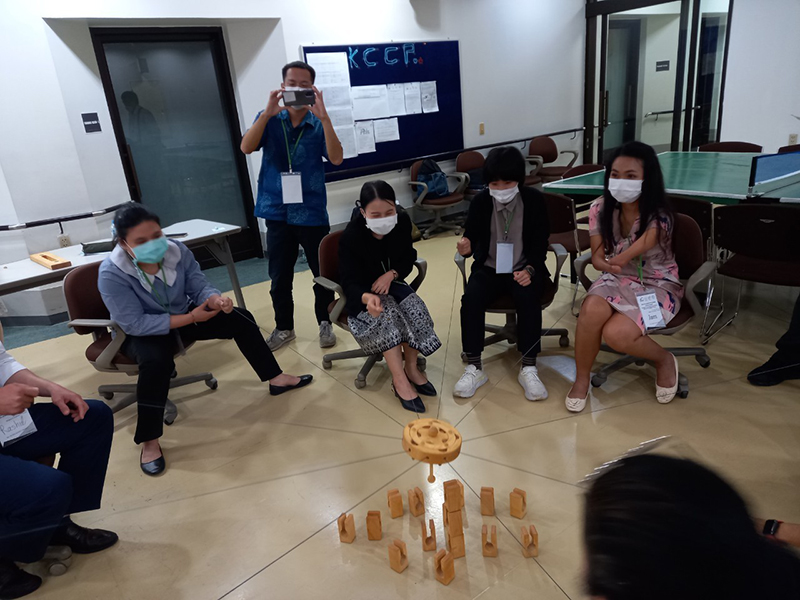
(534, 49)
(762, 90)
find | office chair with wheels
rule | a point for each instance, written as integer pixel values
(694, 269)
(788, 149)
(330, 280)
(471, 163)
(89, 315)
(545, 148)
(505, 305)
(437, 205)
(564, 231)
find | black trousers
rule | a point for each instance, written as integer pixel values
(283, 242)
(155, 356)
(35, 498)
(789, 344)
(484, 287)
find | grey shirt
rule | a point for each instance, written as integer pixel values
(502, 213)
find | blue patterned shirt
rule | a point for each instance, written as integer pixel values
(306, 160)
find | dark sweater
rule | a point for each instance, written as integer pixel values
(535, 228)
(363, 258)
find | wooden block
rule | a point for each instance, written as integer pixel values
(530, 542)
(487, 501)
(374, 530)
(50, 260)
(455, 524)
(347, 528)
(445, 514)
(519, 503)
(444, 566)
(453, 495)
(489, 544)
(395, 501)
(416, 502)
(455, 544)
(398, 556)
(428, 541)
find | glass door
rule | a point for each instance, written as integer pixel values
(171, 102)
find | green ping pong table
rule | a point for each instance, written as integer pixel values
(719, 177)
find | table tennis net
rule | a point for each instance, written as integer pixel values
(769, 173)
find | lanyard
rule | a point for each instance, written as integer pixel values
(164, 305)
(290, 155)
(509, 218)
(639, 268)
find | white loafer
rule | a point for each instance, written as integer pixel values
(576, 404)
(665, 395)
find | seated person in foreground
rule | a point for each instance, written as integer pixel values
(385, 315)
(662, 528)
(631, 236)
(507, 234)
(36, 501)
(155, 291)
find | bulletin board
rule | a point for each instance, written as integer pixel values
(405, 95)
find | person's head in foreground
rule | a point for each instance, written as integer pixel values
(504, 173)
(660, 528)
(633, 176)
(378, 206)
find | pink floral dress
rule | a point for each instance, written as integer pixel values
(659, 270)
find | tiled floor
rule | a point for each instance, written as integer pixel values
(248, 507)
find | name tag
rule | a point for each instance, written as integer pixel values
(504, 258)
(292, 185)
(15, 427)
(651, 311)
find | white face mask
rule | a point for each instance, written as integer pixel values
(382, 226)
(504, 196)
(625, 190)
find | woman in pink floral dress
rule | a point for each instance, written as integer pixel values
(631, 238)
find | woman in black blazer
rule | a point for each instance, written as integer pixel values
(385, 315)
(507, 235)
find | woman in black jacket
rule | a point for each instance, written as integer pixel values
(385, 315)
(507, 235)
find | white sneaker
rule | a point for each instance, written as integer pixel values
(470, 381)
(530, 382)
(327, 338)
(279, 337)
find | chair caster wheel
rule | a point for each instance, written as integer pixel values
(56, 560)
(703, 361)
(360, 384)
(683, 394)
(107, 395)
(212, 383)
(598, 381)
(326, 364)
(639, 363)
(174, 374)
(170, 419)
(57, 568)
(563, 341)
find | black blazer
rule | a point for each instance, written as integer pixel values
(363, 258)
(535, 228)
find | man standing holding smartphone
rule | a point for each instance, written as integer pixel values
(293, 138)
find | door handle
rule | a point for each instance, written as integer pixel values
(605, 109)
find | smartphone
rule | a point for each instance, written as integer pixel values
(299, 97)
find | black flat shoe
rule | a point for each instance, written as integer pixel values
(414, 405)
(154, 467)
(774, 371)
(426, 389)
(277, 390)
(82, 540)
(16, 583)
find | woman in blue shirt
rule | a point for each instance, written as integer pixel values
(156, 293)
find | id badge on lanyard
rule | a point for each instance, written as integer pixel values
(291, 182)
(648, 305)
(504, 255)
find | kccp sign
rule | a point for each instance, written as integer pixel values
(389, 55)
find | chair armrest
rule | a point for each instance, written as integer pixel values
(702, 274)
(418, 184)
(561, 257)
(461, 263)
(463, 181)
(580, 269)
(536, 162)
(422, 270)
(336, 289)
(574, 156)
(106, 323)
